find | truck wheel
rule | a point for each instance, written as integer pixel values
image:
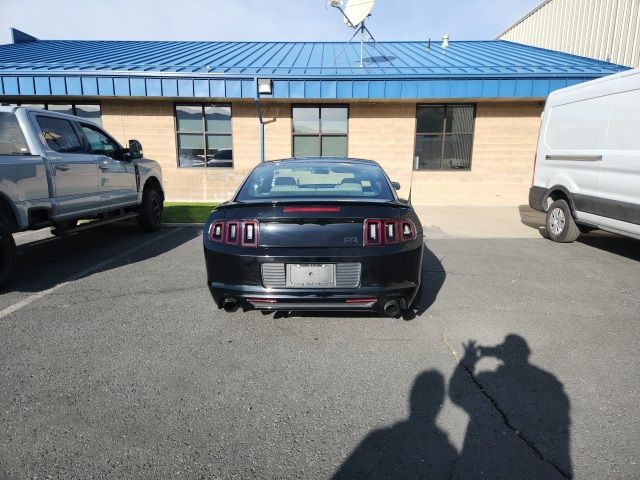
(560, 224)
(150, 211)
(7, 254)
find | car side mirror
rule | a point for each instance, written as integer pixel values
(135, 149)
(396, 185)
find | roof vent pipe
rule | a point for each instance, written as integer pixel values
(445, 41)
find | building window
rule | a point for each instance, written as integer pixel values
(204, 135)
(444, 137)
(88, 111)
(320, 131)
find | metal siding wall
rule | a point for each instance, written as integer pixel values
(603, 29)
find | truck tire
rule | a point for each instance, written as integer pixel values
(7, 255)
(150, 211)
(560, 224)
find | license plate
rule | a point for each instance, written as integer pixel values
(311, 276)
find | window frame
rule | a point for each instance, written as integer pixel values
(74, 105)
(85, 138)
(204, 132)
(319, 135)
(74, 127)
(443, 135)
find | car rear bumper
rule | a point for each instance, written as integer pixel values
(384, 278)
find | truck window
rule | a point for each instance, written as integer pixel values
(12, 140)
(59, 135)
(99, 143)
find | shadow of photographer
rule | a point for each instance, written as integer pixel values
(413, 448)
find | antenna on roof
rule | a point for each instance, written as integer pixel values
(355, 13)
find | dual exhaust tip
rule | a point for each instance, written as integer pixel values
(230, 305)
(392, 308)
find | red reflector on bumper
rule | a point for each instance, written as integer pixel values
(310, 209)
(362, 300)
(261, 300)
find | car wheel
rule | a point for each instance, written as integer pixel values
(560, 224)
(150, 211)
(7, 254)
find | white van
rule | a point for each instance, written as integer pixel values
(587, 172)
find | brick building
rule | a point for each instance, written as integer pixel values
(457, 123)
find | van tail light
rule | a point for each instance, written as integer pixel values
(533, 175)
(388, 231)
(243, 233)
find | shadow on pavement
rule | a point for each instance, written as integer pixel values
(532, 406)
(45, 263)
(532, 219)
(413, 448)
(519, 424)
(616, 244)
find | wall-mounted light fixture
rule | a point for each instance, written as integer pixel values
(265, 86)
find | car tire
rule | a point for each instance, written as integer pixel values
(150, 211)
(561, 227)
(7, 255)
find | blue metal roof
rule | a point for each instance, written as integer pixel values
(305, 70)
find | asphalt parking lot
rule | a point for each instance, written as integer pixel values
(114, 363)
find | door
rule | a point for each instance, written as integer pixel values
(74, 172)
(117, 177)
(619, 199)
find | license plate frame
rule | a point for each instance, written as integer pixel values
(311, 275)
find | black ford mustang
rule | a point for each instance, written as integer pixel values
(314, 234)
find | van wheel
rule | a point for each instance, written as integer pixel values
(560, 224)
(7, 254)
(150, 211)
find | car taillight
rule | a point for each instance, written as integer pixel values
(372, 232)
(387, 231)
(235, 232)
(408, 230)
(249, 233)
(216, 232)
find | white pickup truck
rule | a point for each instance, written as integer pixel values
(57, 169)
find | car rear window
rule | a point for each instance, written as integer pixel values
(295, 180)
(12, 140)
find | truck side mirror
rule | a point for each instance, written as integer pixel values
(135, 149)
(396, 185)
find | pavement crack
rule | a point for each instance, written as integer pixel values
(444, 338)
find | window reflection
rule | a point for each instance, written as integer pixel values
(204, 135)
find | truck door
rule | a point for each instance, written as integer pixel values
(117, 177)
(74, 173)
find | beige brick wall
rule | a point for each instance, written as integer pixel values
(152, 122)
(503, 150)
(504, 146)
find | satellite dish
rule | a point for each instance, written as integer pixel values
(357, 11)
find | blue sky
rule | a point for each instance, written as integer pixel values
(254, 19)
